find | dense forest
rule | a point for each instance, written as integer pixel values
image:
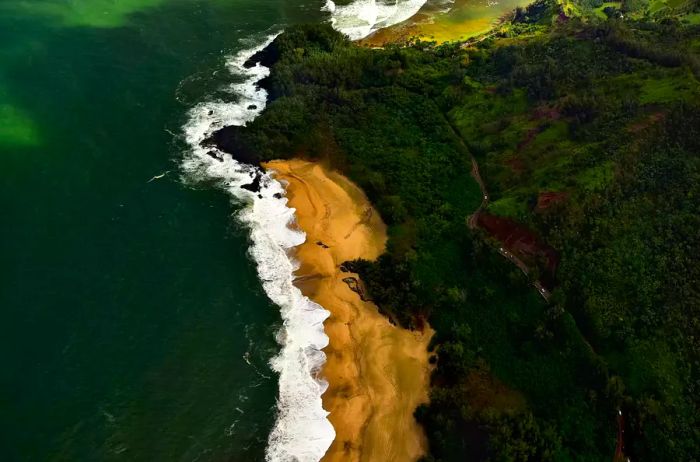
(584, 120)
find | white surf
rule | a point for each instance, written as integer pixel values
(360, 18)
(302, 432)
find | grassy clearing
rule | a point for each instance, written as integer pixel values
(677, 87)
(600, 10)
(693, 19)
(596, 178)
(510, 207)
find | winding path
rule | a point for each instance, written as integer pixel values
(473, 220)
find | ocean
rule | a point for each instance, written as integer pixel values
(146, 305)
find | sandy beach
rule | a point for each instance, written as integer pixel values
(464, 20)
(378, 373)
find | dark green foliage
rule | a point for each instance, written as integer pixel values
(540, 11)
(604, 119)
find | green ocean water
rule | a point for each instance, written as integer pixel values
(132, 323)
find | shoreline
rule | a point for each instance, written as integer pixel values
(377, 373)
(464, 20)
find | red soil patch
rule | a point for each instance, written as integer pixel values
(516, 164)
(542, 116)
(620, 445)
(519, 240)
(529, 137)
(646, 122)
(547, 199)
(546, 112)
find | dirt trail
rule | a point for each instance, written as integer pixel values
(620, 444)
(473, 220)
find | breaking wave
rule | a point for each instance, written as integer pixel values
(302, 431)
(360, 18)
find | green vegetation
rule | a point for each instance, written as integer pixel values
(607, 7)
(587, 134)
(641, 10)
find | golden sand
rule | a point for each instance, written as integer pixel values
(377, 373)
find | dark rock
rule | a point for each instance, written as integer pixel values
(231, 140)
(356, 286)
(265, 57)
(266, 84)
(255, 185)
(216, 155)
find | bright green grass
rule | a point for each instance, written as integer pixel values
(556, 132)
(659, 86)
(599, 11)
(16, 128)
(508, 207)
(668, 89)
(596, 178)
(570, 8)
(656, 6)
(469, 117)
(693, 19)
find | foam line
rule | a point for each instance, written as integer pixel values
(302, 431)
(360, 18)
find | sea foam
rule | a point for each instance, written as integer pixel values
(360, 18)
(302, 432)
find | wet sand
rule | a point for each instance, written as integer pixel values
(464, 20)
(377, 373)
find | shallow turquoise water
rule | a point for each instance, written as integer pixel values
(132, 323)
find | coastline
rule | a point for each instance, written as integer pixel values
(377, 373)
(462, 20)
